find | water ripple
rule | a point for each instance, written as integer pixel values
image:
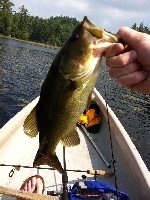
(23, 68)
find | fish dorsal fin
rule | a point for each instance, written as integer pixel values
(30, 124)
(72, 139)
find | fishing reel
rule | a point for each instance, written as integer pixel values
(84, 192)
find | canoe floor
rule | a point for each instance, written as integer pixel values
(21, 150)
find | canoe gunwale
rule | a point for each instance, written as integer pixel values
(136, 163)
(9, 129)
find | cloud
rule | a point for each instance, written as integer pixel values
(132, 5)
(107, 14)
(79, 6)
(113, 17)
(48, 8)
(122, 15)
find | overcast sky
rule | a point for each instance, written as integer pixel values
(107, 14)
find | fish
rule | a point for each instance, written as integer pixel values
(66, 92)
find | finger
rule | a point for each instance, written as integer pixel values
(114, 50)
(128, 69)
(130, 36)
(25, 188)
(132, 79)
(141, 87)
(29, 186)
(122, 59)
(39, 185)
(33, 183)
(126, 49)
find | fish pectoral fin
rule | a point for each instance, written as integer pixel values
(72, 139)
(67, 93)
(30, 124)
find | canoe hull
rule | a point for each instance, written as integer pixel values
(18, 149)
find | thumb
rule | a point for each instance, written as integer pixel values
(129, 36)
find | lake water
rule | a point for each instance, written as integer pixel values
(23, 67)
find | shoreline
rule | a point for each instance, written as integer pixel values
(30, 42)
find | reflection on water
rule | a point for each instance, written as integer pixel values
(23, 68)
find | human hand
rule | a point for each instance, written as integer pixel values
(129, 63)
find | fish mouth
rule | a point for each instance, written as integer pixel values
(88, 54)
(98, 32)
(101, 41)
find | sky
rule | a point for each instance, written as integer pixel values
(107, 14)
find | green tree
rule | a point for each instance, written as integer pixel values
(134, 26)
(142, 28)
(24, 23)
(53, 31)
(35, 29)
(15, 31)
(5, 16)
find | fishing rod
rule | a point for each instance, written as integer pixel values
(95, 146)
(111, 145)
(92, 172)
(64, 179)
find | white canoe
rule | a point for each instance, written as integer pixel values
(16, 148)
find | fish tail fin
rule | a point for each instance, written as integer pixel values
(51, 160)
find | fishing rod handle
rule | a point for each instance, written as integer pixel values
(100, 172)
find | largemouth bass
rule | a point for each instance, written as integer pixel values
(66, 91)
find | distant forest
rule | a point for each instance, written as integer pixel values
(53, 31)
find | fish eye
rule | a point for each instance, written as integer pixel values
(74, 37)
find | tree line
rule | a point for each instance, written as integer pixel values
(141, 28)
(53, 31)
